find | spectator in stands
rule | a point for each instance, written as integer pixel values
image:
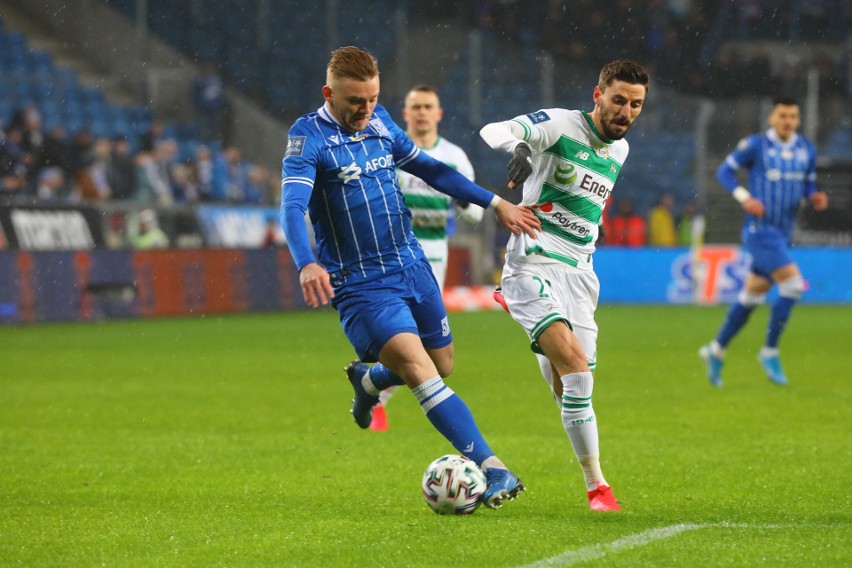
(209, 174)
(156, 132)
(27, 121)
(690, 225)
(661, 223)
(257, 178)
(150, 235)
(81, 146)
(121, 170)
(151, 185)
(236, 175)
(208, 96)
(13, 172)
(92, 177)
(55, 151)
(627, 227)
(184, 186)
(50, 185)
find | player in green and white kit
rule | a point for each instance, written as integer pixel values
(567, 162)
(430, 209)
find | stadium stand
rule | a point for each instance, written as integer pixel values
(274, 53)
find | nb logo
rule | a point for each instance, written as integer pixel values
(583, 155)
(349, 173)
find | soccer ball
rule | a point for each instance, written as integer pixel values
(453, 484)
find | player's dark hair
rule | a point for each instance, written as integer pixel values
(625, 70)
(352, 63)
(785, 100)
(423, 88)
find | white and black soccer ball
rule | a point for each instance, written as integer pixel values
(453, 485)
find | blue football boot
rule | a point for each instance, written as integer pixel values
(772, 367)
(363, 403)
(502, 485)
(713, 364)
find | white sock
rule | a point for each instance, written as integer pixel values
(385, 395)
(716, 349)
(368, 385)
(492, 461)
(578, 419)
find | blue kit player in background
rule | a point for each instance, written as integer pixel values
(782, 172)
(340, 166)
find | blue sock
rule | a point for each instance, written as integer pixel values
(735, 320)
(451, 417)
(778, 319)
(383, 377)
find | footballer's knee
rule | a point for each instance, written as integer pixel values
(792, 287)
(578, 384)
(750, 299)
(443, 359)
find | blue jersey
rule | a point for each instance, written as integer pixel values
(347, 182)
(361, 223)
(781, 174)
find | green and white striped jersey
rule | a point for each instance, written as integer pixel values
(430, 208)
(574, 170)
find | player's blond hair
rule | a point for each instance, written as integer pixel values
(352, 63)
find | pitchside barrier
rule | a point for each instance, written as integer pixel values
(99, 284)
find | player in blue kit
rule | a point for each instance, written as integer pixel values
(340, 166)
(782, 172)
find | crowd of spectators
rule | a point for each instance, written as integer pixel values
(692, 46)
(54, 167)
(663, 226)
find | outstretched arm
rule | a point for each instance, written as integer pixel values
(509, 137)
(447, 180)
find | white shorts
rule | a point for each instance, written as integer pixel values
(437, 251)
(540, 294)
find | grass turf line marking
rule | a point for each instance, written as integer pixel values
(595, 551)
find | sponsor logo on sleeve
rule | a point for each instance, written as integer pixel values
(295, 145)
(537, 117)
(379, 127)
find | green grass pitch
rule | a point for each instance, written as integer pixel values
(227, 441)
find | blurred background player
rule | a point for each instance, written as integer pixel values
(567, 162)
(340, 165)
(782, 171)
(430, 209)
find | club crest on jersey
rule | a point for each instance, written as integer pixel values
(379, 127)
(350, 173)
(445, 326)
(295, 145)
(565, 174)
(537, 117)
(602, 152)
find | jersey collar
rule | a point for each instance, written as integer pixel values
(324, 113)
(772, 135)
(594, 128)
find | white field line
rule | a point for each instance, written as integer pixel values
(595, 551)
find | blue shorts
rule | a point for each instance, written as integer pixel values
(406, 301)
(769, 250)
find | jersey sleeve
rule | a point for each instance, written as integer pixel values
(298, 174)
(743, 156)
